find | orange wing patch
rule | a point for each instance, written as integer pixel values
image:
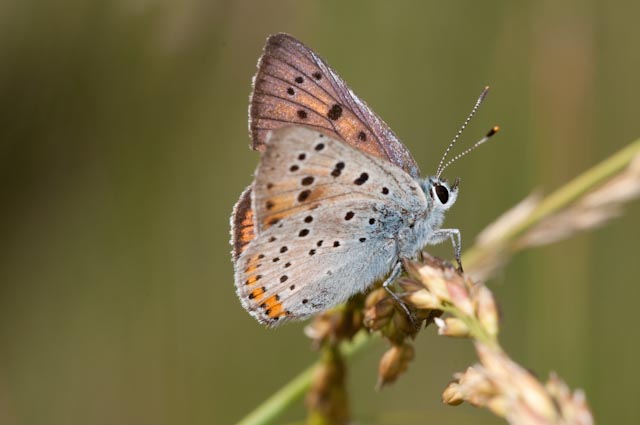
(256, 294)
(242, 226)
(273, 307)
(253, 279)
(284, 205)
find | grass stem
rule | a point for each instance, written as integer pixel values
(293, 391)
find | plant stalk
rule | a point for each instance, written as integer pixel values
(294, 390)
(275, 405)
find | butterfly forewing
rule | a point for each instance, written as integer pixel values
(294, 85)
(326, 216)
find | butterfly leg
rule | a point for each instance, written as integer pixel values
(456, 241)
(395, 273)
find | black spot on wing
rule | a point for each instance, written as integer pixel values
(335, 112)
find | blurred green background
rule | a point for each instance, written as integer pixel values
(123, 147)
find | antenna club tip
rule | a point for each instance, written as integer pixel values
(493, 131)
(485, 90)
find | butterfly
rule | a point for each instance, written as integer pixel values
(337, 201)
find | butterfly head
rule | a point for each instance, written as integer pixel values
(442, 194)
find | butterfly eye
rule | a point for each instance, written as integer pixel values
(442, 193)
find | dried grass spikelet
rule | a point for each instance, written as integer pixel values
(379, 309)
(432, 286)
(494, 232)
(592, 209)
(327, 400)
(439, 286)
(393, 363)
(510, 391)
(497, 382)
(337, 324)
(574, 404)
(452, 326)
(384, 315)
(496, 250)
(486, 309)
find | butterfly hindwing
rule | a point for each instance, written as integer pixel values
(325, 219)
(293, 85)
(284, 275)
(242, 224)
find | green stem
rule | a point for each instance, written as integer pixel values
(579, 186)
(564, 196)
(295, 389)
(272, 407)
(275, 405)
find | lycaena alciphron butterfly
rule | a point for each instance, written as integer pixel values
(337, 201)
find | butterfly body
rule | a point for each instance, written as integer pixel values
(337, 202)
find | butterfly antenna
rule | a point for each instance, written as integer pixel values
(491, 132)
(457, 136)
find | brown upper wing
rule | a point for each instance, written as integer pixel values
(293, 85)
